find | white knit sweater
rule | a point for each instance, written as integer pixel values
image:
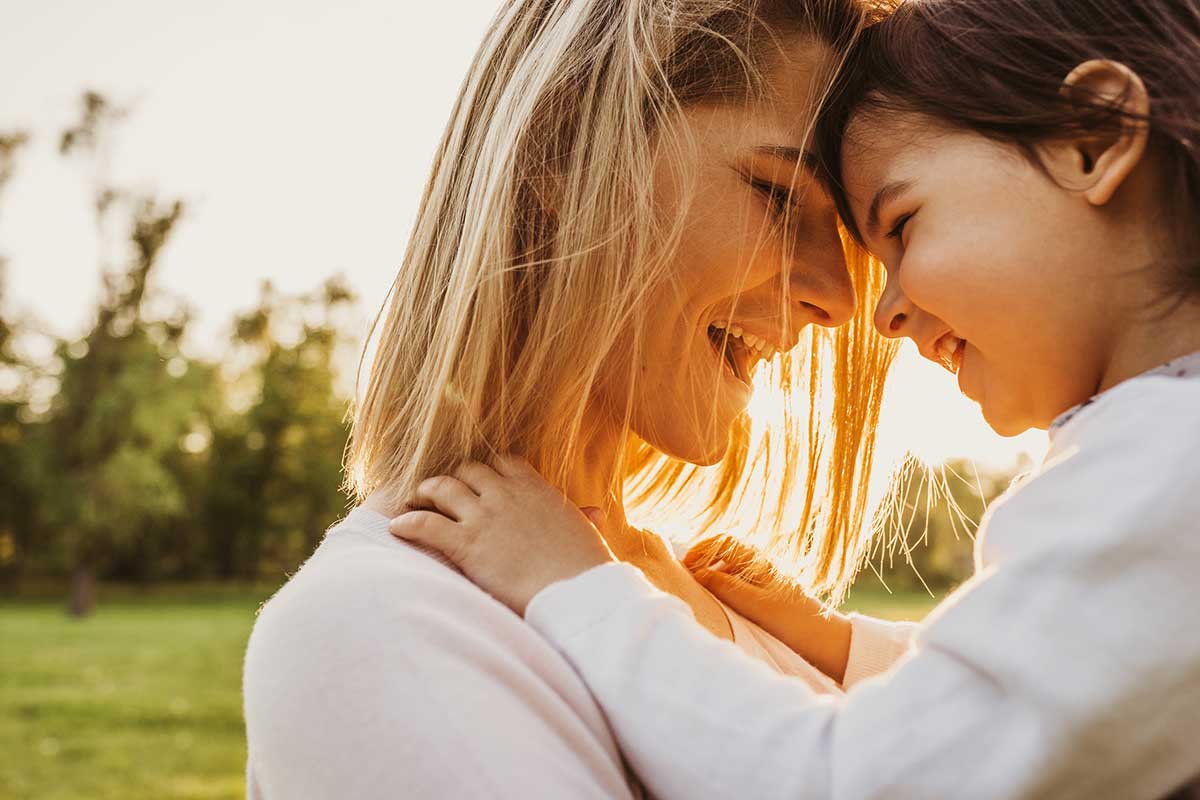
(1068, 667)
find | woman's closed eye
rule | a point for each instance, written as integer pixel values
(779, 198)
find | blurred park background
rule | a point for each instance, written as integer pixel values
(199, 214)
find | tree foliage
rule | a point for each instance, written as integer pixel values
(125, 456)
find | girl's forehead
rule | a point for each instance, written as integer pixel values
(871, 151)
(880, 144)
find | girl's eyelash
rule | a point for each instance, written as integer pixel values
(898, 228)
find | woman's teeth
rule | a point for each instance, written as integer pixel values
(751, 341)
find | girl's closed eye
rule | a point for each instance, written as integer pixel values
(897, 230)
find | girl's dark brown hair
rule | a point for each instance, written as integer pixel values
(996, 67)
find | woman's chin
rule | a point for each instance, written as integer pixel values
(701, 451)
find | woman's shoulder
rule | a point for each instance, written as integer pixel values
(380, 654)
(361, 581)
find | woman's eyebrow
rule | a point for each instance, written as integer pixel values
(885, 194)
(804, 157)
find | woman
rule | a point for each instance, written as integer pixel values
(621, 227)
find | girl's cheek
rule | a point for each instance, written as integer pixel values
(932, 279)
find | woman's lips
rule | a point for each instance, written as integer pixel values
(740, 357)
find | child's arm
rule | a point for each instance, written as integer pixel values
(847, 648)
(1069, 671)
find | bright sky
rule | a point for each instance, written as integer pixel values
(300, 133)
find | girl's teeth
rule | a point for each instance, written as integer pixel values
(948, 349)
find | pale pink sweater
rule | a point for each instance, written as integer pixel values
(379, 671)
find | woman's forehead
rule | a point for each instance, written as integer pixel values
(799, 78)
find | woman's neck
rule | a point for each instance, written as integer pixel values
(593, 477)
(595, 481)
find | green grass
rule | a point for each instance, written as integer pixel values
(140, 700)
(143, 698)
(903, 604)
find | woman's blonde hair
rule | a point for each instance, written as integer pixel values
(537, 243)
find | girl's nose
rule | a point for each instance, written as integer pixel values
(894, 314)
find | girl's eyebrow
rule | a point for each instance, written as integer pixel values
(885, 194)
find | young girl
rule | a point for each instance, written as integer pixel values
(1029, 174)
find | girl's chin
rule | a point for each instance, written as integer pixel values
(1005, 422)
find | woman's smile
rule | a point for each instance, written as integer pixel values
(738, 351)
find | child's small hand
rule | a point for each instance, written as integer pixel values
(745, 580)
(506, 528)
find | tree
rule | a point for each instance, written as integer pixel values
(17, 441)
(274, 485)
(123, 457)
(128, 396)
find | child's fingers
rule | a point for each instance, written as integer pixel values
(737, 556)
(594, 514)
(738, 594)
(446, 495)
(701, 552)
(428, 528)
(476, 476)
(709, 551)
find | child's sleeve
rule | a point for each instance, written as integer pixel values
(875, 647)
(1068, 667)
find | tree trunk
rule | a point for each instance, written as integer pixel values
(83, 592)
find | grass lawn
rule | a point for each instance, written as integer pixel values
(143, 698)
(140, 700)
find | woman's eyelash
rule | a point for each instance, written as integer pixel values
(779, 196)
(898, 229)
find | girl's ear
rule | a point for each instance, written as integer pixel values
(1098, 163)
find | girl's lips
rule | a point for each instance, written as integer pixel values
(949, 351)
(963, 380)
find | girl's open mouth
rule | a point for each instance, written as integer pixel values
(949, 351)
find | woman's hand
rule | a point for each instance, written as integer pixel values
(506, 528)
(750, 584)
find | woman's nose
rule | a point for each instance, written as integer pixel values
(821, 285)
(894, 314)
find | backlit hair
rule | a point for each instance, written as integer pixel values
(537, 242)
